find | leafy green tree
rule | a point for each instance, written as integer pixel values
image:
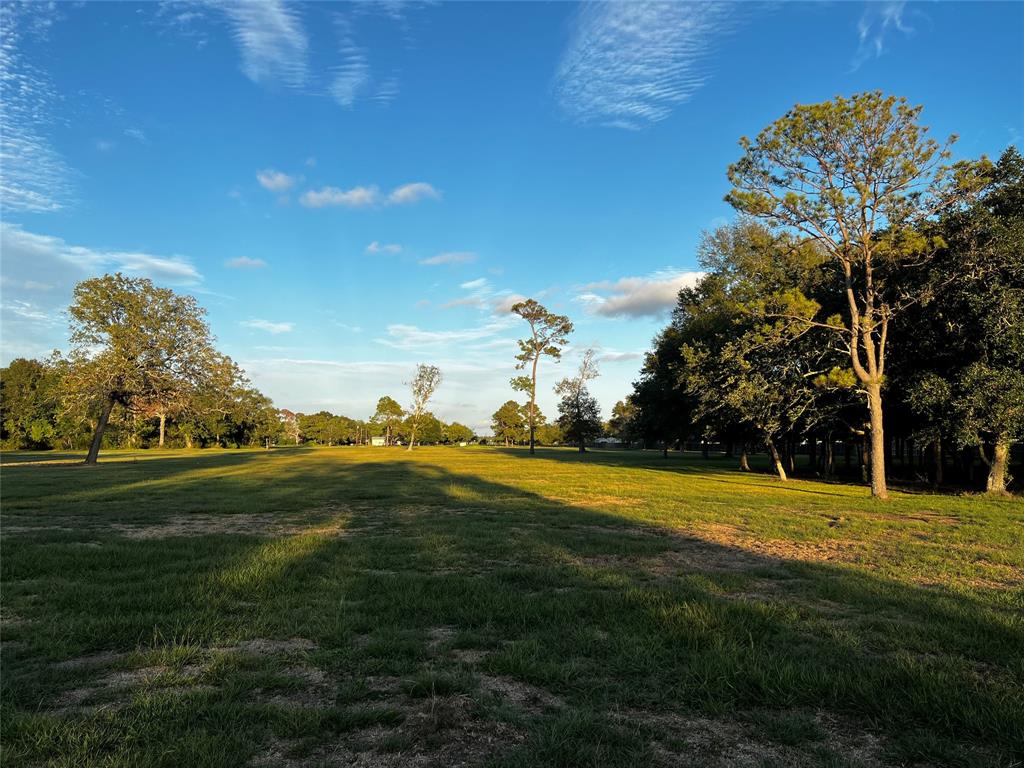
(429, 429)
(29, 397)
(509, 423)
(131, 343)
(549, 434)
(623, 423)
(424, 384)
(961, 354)
(859, 178)
(578, 414)
(388, 416)
(548, 334)
(458, 433)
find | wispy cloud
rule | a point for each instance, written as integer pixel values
(352, 76)
(357, 197)
(22, 246)
(272, 40)
(413, 193)
(630, 63)
(412, 337)
(33, 175)
(137, 134)
(878, 20)
(450, 257)
(276, 181)
(377, 247)
(268, 326)
(244, 262)
(650, 296)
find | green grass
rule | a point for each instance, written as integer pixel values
(482, 607)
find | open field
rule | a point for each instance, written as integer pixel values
(374, 607)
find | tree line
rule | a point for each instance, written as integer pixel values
(143, 371)
(869, 294)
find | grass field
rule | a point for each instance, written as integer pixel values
(373, 607)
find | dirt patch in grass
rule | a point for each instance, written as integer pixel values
(436, 732)
(528, 698)
(268, 524)
(262, 646)
(439, 636)
(756, 739)
(470, 656)
(15, 530)
(313, 689)
(90, 660)
(115, 690)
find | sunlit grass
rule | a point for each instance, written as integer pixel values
(616, 609)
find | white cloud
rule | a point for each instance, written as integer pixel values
(877, 21)
(631, 63)
(451, 257)
(472, 285)
(611, 356)
(376, 247)
(136, 133)
(357, 197)
(402, 336)
(272, 40)
(503, 304)
(33, 175)
(413, 193)
(244, 262)
(650, 296)
(352, 76)
(39, 272)
(26, 248)
(102, 145)
(268, 326)
(276, 181)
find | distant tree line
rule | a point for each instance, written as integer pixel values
(143, 372)
(869, 296)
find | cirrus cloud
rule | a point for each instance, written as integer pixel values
(268, 326)
(244, 262)
(450, 258)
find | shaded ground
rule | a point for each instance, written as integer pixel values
(477, 607)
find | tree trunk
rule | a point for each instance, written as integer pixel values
(878, 486)
(776, 459)
(101, 425)
(583, 446)
(939, 461)
(412, 436)
(533, 404)
(163, 427)
(664, 449)
(744, 463)
(188, 439)
(812, 453)
(997, 475)
(830, 456)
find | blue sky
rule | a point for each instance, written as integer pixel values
(352, 189)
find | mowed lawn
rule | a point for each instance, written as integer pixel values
(476, 606)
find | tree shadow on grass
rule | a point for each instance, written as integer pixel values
(714, 469)
(622, 622)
